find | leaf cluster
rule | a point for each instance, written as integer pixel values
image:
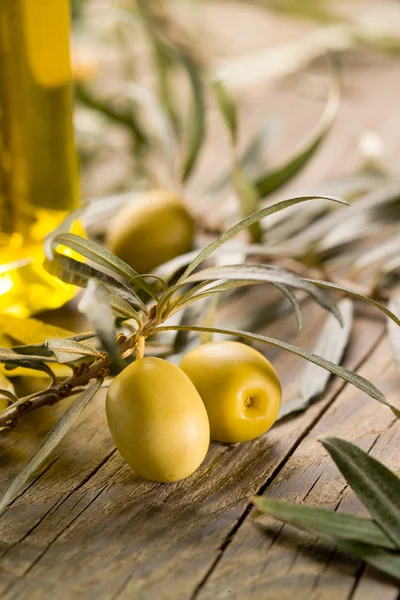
(375, 540)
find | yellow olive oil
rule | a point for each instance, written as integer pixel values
(38, 170)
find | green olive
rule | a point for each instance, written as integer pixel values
(239, 387)
(153, 229)
(158, 420)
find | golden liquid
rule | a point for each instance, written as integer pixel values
(38, 171)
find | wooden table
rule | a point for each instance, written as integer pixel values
(88, 528)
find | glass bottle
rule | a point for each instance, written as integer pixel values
(38, 168)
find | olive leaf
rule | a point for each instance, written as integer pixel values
(291, 296)
(68, 350)
(122, 308)
(165, 66)
(245, 224)
(349, 376)
(197, 121)
(377, 487)
(378, 253)
(358, 295)
(95, 305)
(324, 521)
(54, 436)
(227, 108)
(394, 331)
(209, 288)
(271, 181)
(249, 199)
(331, 345)
(265, 273)
(376, 205)
(348, 533)
(7, 389)
(251, 160)
(104, 258)
(74, 272)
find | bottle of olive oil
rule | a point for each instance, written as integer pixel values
(38, 170)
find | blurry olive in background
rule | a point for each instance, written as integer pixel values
(153, 229)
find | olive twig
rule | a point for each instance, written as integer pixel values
(81, 376)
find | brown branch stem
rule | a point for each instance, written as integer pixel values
(81, 376)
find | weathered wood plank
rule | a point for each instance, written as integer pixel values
(112, 534)
(271, 561)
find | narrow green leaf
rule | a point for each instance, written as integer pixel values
(208, 319)
(387, 562)
(249, 199)
(54, 436)
(271, 181)
(377, 487)
(7, 389)
(29, 364)
(227, 108)
(268, 274)
(104, 258)
(394, 330)
(252, 160)
(124, 309)
(74, 272)
(291, 296)
(345, 528)
(245, 224)
(7, 355)
(350, 292)
(197, 123)
(323, 521)
(95, 305)
(331, 345)
(349, 376)
(67, 351)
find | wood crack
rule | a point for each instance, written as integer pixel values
(229, 538)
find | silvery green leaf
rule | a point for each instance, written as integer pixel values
(377, 487)
(367, 209)
(74, 272)
(394, 330)
(104, 258)
(324, 521)
(95, 305)
(67, 351)
(55, 435)
(268, 274)
(249, 199)
(334, 286)
(378, 253)
(227, 108)
(346, 532)
(331, 345)
(7, 389)
(197, 122)
(349, 376)
(272, 180)
(245, 224)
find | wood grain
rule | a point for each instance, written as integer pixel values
(89, 527)
(267, 560)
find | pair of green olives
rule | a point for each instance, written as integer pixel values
(161, 416)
